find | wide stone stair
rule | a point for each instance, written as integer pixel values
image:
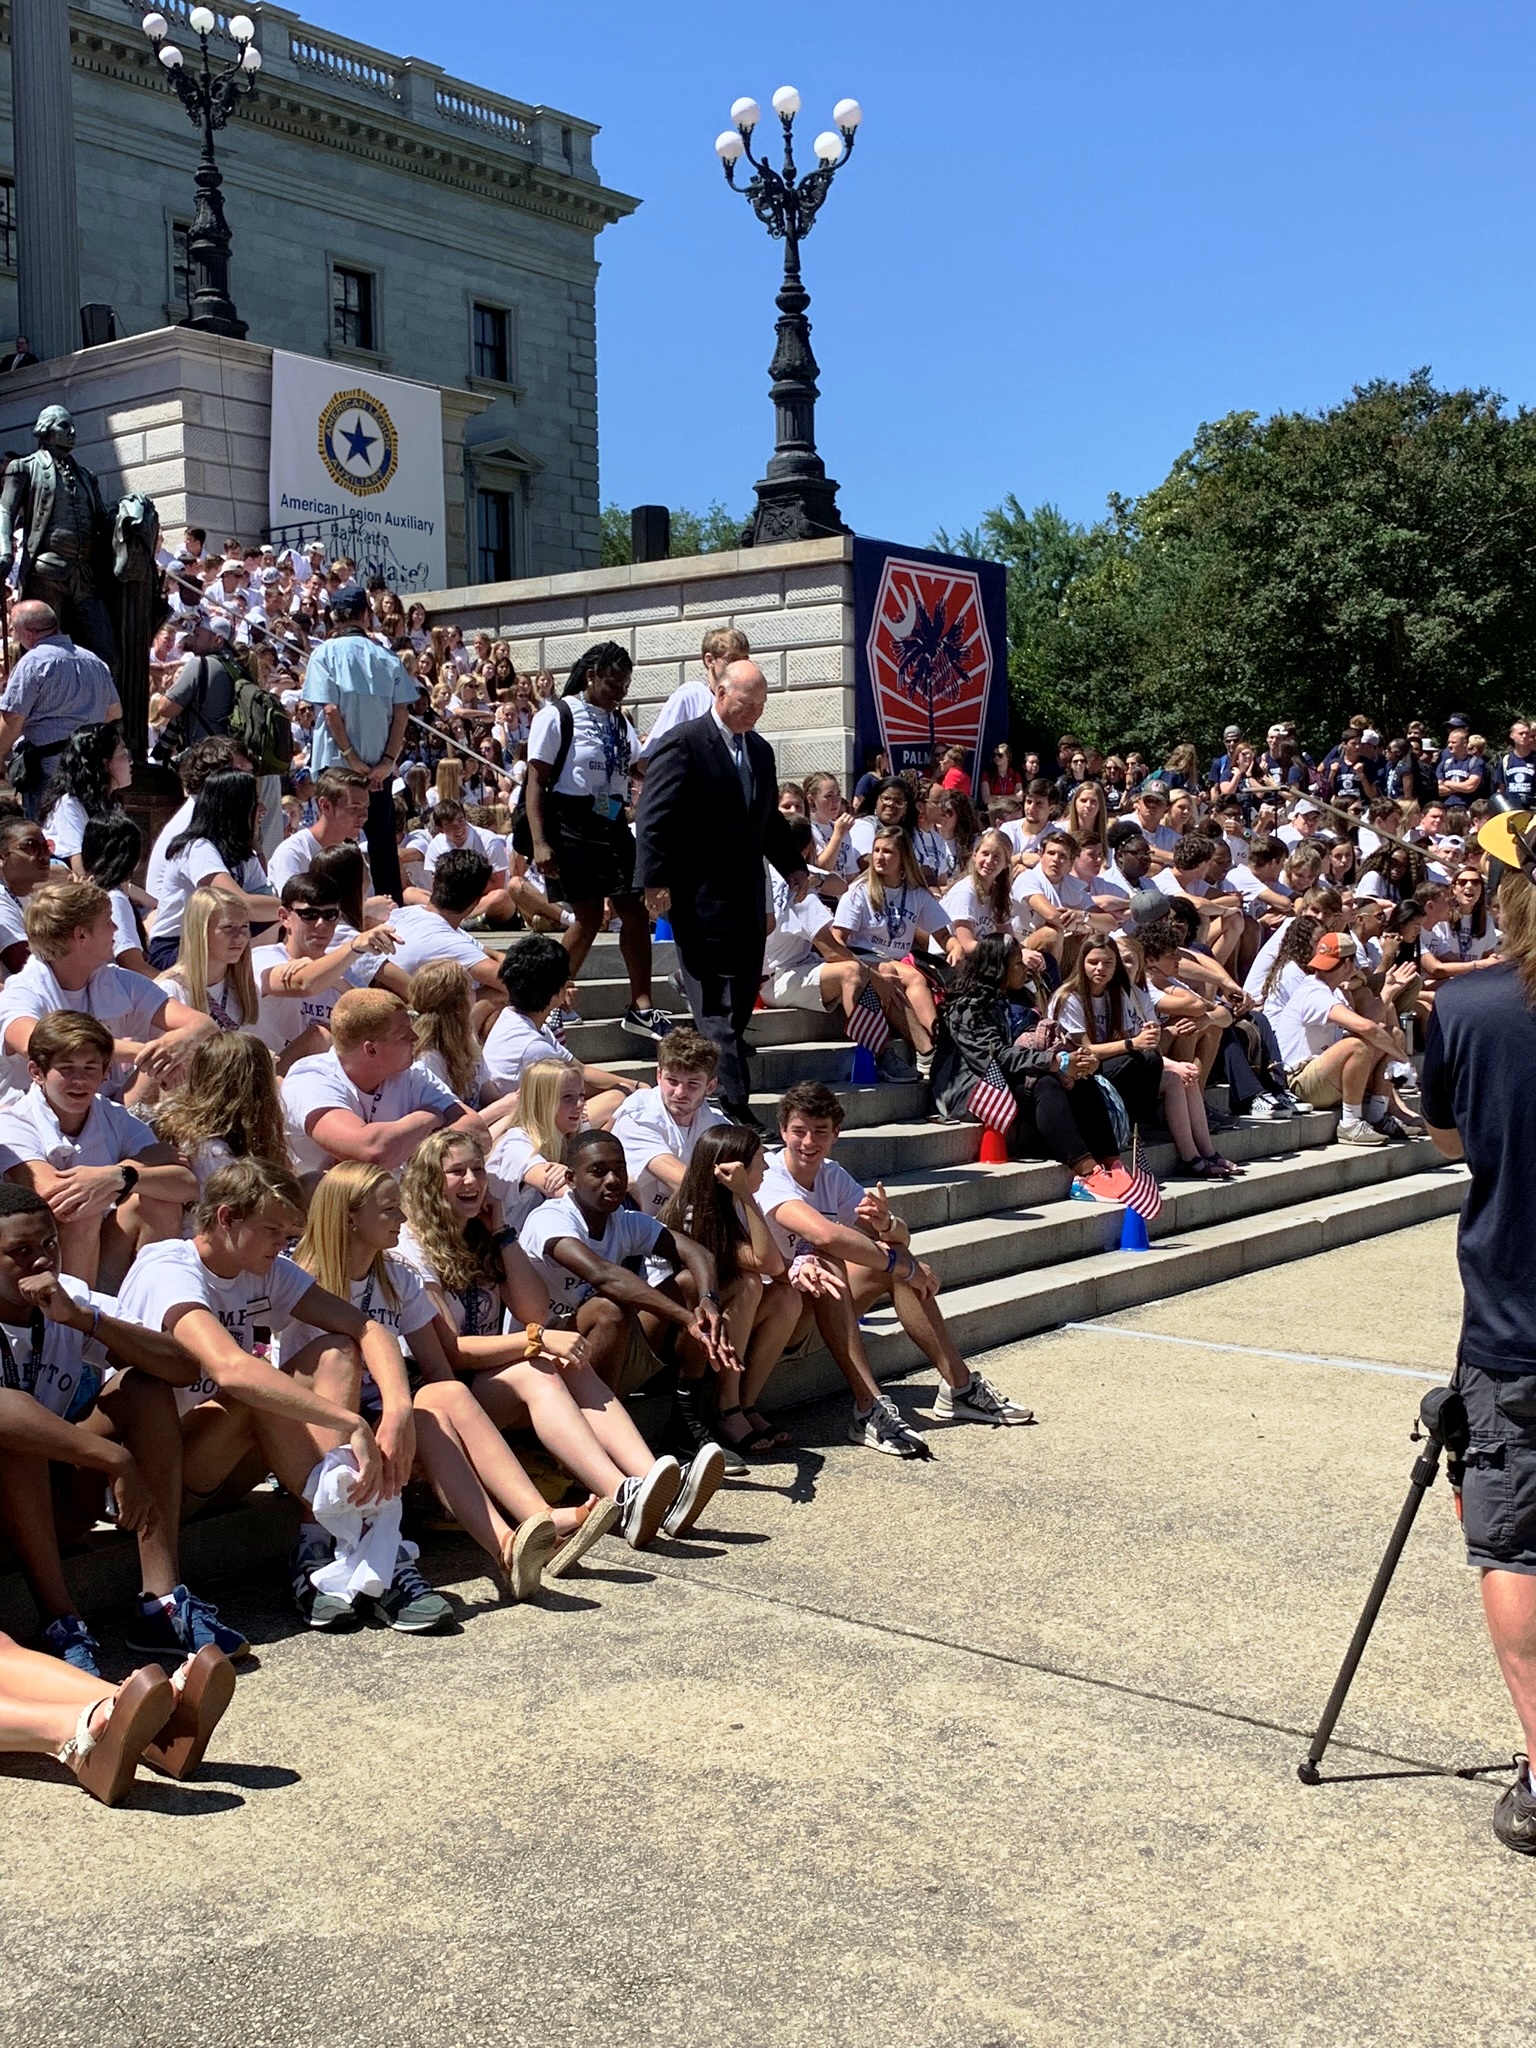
(1014, 1253)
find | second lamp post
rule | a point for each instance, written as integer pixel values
(210, 96)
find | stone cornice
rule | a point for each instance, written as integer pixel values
(301, 110)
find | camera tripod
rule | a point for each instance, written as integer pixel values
(1443, 1415)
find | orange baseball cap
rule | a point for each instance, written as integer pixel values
(1333, 949)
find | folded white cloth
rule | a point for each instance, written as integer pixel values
(367, 1539)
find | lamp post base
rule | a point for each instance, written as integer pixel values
(796, 509)
(217, 323)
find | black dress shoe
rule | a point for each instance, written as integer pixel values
(741, 1113)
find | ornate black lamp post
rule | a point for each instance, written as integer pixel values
(796, 500)
(210, 97)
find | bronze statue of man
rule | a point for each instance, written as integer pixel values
(55, 504)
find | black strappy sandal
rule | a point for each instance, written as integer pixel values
(754, 1443)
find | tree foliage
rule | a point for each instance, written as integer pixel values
(711, 532)
(1377, 557)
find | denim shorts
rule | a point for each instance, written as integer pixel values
(1498, 1491)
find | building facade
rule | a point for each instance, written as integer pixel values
(383, 214)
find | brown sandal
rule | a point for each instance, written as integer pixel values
(105, 1763)
(204, 1687)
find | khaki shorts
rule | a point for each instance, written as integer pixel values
(640, 1366)
(1315, 1085)
(794, 988)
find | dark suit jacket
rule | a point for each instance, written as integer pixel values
(695, 836)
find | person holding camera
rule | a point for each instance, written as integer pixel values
(1478, 1102)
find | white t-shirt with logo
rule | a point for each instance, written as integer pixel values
(65, 1370)
(169, 1276)
(836, 1195)
(587, 771)
(282, 1019)
(128, 1004)
(515, 1042)
(965, 904)
(645, 1128)
(627, 1235)
(411, 1310)
(510, 1158)
(795, 927)
(1456, 940)
(30, 1129)
(891, 932)
(320, 1082)
(1136, 1007)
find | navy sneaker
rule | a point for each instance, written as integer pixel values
(189, 1625)
(69, 1638)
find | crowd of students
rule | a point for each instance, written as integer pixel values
(302, 1181)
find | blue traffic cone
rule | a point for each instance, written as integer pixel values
(865, 1073)
(663, 931)
(1133, 1232)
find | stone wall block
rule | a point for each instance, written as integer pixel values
(810, 626)
(643, 608)
(716, 597)
(668, 643)
(811, 665)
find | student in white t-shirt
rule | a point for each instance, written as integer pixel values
(1468, 939)
(986, 898)
(70, 932)
(24, 866)
(846, 1251)
(217, 850)
(526, 1165)
(1333, 1056)
(212, 969)
(349, 1242)
(112, 1185)
(659, 1127)
(498, 901)
(212, 1292)
(366, 1098)
(1058, 904)
(538, 1370)
(433, 930)
(889, 913)
(299, 979)
(534, 972)
(341, 814)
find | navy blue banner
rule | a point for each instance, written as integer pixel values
(931, 656)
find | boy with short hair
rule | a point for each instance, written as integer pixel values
(300, 977)
(659, 1127)
(25, 864)
(241, 1417)
(434, 930)
(112, 1185)
(534, 972)
(845, 1250)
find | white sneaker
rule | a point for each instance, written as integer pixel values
(700, 1481)
(1357, 1133)
(979, 1402)
(643, 1503)
(1264, 1109)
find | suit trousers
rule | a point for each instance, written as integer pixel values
(722, 996)
(383, 847)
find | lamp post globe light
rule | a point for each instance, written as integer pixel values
(210, 96)
(796, 499)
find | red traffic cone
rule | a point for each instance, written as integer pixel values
(994, 1148)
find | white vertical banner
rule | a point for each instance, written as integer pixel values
(357, 461)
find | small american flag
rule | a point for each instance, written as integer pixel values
(1145, 1196)
(556, 1023)
(991, 1100)
(867, 1025)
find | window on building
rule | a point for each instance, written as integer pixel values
(352, 320)
(493, 354)
(181, 266)
(8, 223)
(493, 536)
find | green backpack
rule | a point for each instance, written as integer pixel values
(261, 728)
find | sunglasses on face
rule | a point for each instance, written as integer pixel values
(313, 914)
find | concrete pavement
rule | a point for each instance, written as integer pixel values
(989, 1751)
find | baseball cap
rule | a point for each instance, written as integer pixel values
(215, 623)
(1333, 948)
(1370, 737)
(271, 576)
(1458, 718)
(1233, 732)
(350, 602)
(1307, 809)
(1152, 787)
(1147, 905)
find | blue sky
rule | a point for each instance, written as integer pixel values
(1068, 234)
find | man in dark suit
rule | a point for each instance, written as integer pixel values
(707, 820)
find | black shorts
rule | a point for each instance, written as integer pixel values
(1498, 1491)
(596, 855)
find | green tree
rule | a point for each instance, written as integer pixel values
(1378, 557)
(710, 532)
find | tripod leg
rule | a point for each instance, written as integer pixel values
(1420, 1480)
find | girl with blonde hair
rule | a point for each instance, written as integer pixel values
(353, 1227)
(228, 1107)
(527, 1166)
(212, 969)
(448, 783)
(442, 1000)
(1087, 818)
(886, 915)
(533, 1377)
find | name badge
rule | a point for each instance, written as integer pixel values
(258, 1304)
(606, 806)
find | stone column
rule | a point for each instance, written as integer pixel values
(47, 236)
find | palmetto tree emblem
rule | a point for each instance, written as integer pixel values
(930, 658)
(932, 663)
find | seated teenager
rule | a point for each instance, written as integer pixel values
(580, 1243)
(25, 864)
(366, 1098)
(70, 932)
(807, 967)
(538, 1375)
(241, 1417)
(110, 1182)
(526, 1165)
(1334, 1056)
(1099, 1008)
(715, 1204)
(1058, 906)
(349, 1241)
(109, 856)
(212, 969)
(985, 899)
(300, 976)
(1062, 1113)
(431, 931)
(453, 833)
(1233, 1040)
(59, 1342)
(845, 1250)
(216, 850)
(659, 1127)
(885, 916)
(1466, 941)
(534, 972)
(1185, 1020)
(441, 998)
(228, 1108)
(101, 1737)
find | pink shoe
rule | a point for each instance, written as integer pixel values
(1108, 1183)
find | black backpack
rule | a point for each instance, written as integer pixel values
(522, 831)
